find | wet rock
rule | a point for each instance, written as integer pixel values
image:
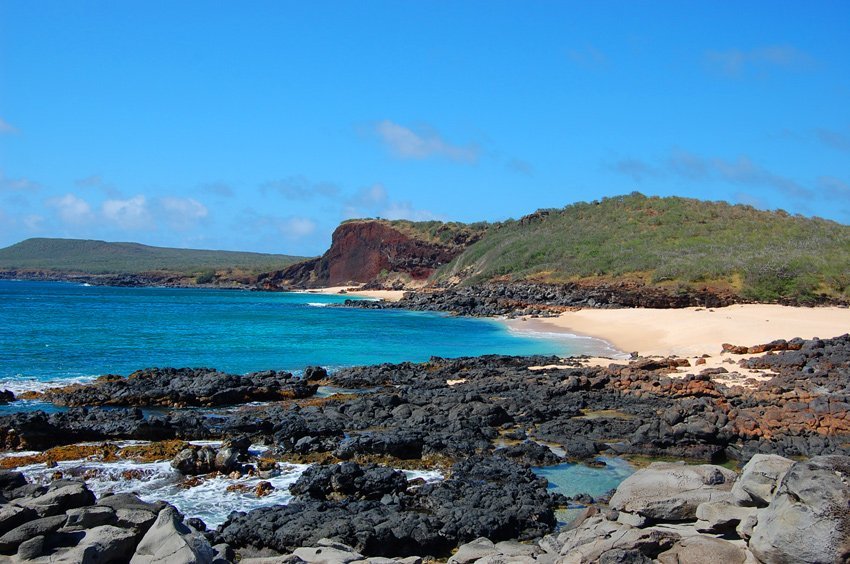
(808, 519)
(194, 460)
(313, 373)
(183, 387)
(672, 492)
(349, 480)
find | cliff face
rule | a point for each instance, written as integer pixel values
(366, 251)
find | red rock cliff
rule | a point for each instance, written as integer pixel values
(363, 251)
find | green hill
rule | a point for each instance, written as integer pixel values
(760, 255)
(100, 257)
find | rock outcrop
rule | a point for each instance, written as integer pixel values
(62, 522)
(365, 251)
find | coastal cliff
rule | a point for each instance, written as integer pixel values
(379, 252)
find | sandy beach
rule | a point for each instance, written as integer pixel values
(695, 331)
(386, 295)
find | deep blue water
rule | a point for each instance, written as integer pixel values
(54, 331)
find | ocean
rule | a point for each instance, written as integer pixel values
(56, 333)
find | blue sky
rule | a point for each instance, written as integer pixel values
(261, 125)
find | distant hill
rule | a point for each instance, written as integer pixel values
(100, 257)
(671, 241)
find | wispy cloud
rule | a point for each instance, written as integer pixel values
(636, 169)
(97, 181)
(835, 139)
(588, 57)
(520, 166)
(834, 187)
(423, 143)
(737, 62)
(742, 171)
(300, 188)
(218, 189)
(7, 128)
(17, 184)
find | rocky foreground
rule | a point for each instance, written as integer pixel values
(776, 510)
(484, 421)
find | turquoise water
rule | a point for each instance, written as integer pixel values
(574, 479)
(53, 331)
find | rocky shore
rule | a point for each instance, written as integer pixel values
(526, 298)
(485, 422)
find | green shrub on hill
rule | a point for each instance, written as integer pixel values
(100, 257)
(765, 256)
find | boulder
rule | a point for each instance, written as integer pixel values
(88, 517)
(195, 460)
(32, 548)
(598, 536)
(808, 519)
(169, 541)
(10, 541)
(472, 551)
(60, 496)
(701, 549)
(672, 492)
(12, 515)
(721, 516)
(105, 543)
(760, 478)
(10, 480)
(327, 555)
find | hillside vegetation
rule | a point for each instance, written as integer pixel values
(763, 256)
(100, 257)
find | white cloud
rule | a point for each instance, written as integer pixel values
(72, 209)
(33, 222)
(408, 144)
(6, 127)
(131, 213)
(404, 210)
(181, 214)
(296, 227)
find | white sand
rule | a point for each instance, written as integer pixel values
(354, 291)
(695, 331)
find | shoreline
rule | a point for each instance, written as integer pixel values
(693, 331)
(353, 291)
